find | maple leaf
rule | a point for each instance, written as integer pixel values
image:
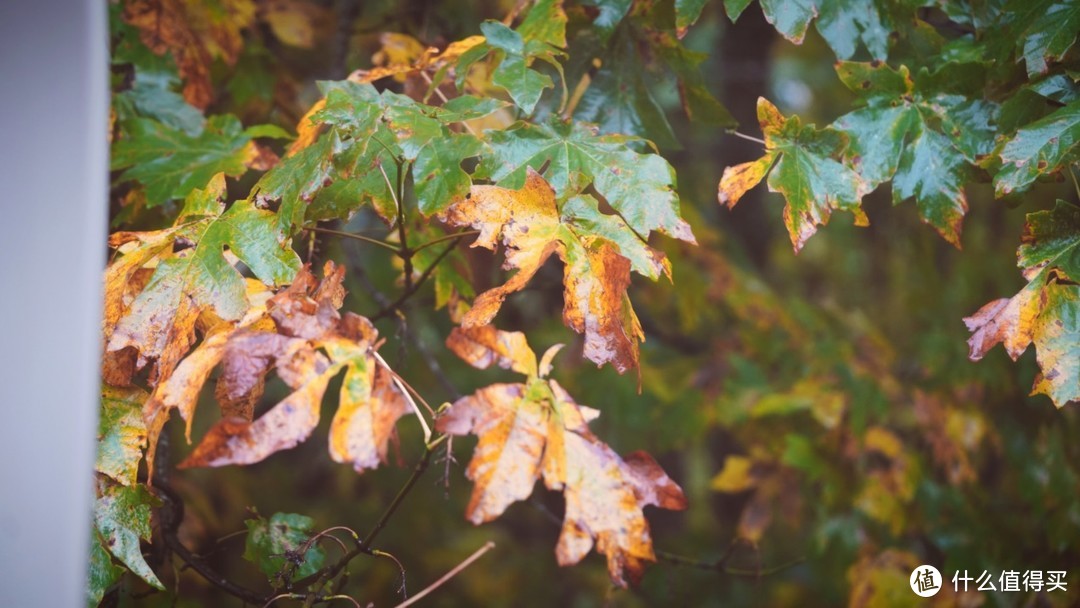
(597, 250)
(640, 187)
(844, 24)
(269, 543)
(923, 138)
(356, 161)
(533, 430)
(122, 519)
(171, 163)
(195, 271)
(121, 433)
(1040, 148)
(1046, 311)
(195, 32)
(309, 344)
(1051, 35)
(802, 166)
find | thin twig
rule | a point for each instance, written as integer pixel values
(579, 91)
(402, 590)
(1076, 184)
(357, 237)
(488, 546)
(282, 596)
(340, 596)
(746, 137)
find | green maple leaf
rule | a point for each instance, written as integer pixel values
(160, 322)
(640, 187)
(802, 164)
(1051, 35)
(698, 103)
(618, 99)
(122, 518)
(610, 14)
(843, 23)
(1046, 312)
(925, 140)
(170, 163)
(1040, 148)
(269, 540)
(356, 162)
(121, 433)
(515, 55)
(103, 572)
(687, 12)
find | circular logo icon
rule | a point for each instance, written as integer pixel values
(925, 581)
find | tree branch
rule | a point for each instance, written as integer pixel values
(488, 546)
(171, 515)
(412, 288)
(721, 566)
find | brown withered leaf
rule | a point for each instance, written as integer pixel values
(597, 250)
(180, 390)
(308, 344)
(536, 430)
(195, 32)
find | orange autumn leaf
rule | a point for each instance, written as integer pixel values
(195, 32)
(484, 345)
(597, 250)
(535, 430)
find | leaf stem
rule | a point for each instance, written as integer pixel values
(446, 237)
(408, 396)
(358, 237)
(488, 546)
(403, 251)
(746, 137)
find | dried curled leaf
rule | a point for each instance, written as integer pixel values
(533, 430)
(1046, 311)
(598, 252)
(309, 344)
